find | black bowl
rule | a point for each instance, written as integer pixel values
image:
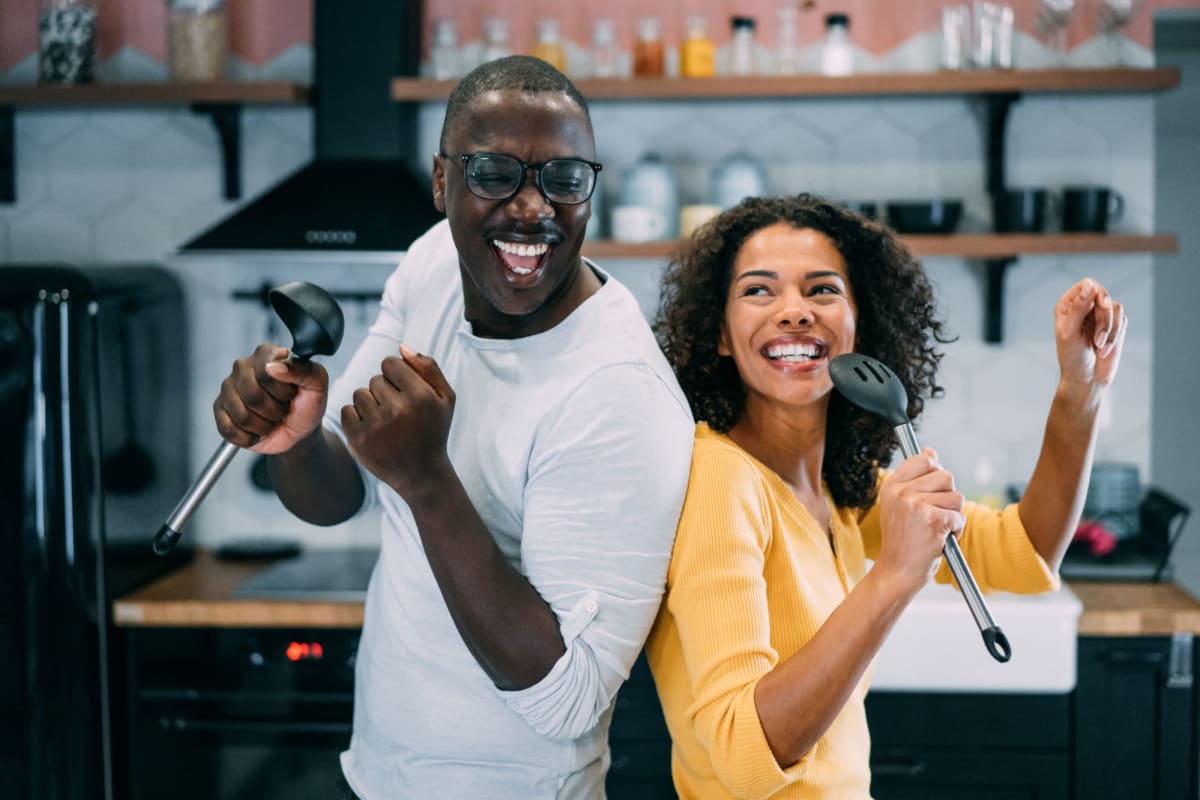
(924, 216)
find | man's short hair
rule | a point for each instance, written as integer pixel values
(520, 73)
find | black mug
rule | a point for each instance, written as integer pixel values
(1019, 210)
(1090, 208)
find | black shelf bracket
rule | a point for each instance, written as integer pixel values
(227, 119)
(8, 161)
(995, 112)
(995, 270)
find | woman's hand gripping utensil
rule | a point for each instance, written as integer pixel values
(873, 387)
(316, 323)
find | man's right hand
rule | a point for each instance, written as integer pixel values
(267, 403)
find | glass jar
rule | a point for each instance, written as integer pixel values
(737, 177)
(648, 49)
(605, 57)
(549, 46)
(66, 42)
(495, 39)
(197, 39)
(444, 61)
(741, 48)
(697, 53)
(787, 58)
(836, 56)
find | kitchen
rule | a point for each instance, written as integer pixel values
(118, 182)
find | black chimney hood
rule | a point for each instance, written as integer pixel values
(362, 192)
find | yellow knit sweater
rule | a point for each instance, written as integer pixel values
(751, 580)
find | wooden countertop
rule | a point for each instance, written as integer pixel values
(200, 594)
(1136, 609)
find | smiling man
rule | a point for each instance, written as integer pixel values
(512, 416)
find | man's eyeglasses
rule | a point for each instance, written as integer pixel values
(494, 176)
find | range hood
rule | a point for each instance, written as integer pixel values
(362, 191)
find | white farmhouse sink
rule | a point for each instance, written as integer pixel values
(936, 645)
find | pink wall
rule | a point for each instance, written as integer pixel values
(875, 26)
(259, 30)
(262, 29)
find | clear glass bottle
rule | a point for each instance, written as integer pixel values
(648, 49)
(67, 42)
(741, 48)
(197, 39)
(787, 57)
(549, 47)
(444, 60)
(495, 39)
(605, 57)
(837, 57)
(696, 54)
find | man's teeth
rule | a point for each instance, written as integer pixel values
(521, 249)
(793, 352)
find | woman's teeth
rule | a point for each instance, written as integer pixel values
(793, 352)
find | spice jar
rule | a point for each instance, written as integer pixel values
(549, 47)
(66, 41)
(648, 49)
(196, 39)
(741, 47)
(605, 57)
(697, 52)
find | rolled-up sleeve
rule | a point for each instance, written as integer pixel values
(607, 479)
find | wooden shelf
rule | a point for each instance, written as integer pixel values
(221, 101)
(155, 93)
(969, 245)
(906, 83)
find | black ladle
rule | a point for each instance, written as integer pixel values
(873, 387)
(316, 323)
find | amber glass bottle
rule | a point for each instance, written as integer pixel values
(696, 55)
(648, 49)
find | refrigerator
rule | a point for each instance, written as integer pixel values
(93, 457)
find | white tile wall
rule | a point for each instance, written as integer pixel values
(114, 186)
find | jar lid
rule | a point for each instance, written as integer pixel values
(837, 19)
(742, 22)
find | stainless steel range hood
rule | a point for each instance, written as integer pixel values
(362, 191)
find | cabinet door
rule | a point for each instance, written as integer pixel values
(1135, 719)
(904, 774)
(639, 741)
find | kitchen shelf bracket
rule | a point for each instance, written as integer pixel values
(8, 163)
(227, 119)
(995, 271)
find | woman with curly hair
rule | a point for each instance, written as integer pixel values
(762, 648)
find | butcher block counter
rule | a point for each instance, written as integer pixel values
(200, 594)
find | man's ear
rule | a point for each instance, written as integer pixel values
(439, 185)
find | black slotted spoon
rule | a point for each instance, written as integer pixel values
(870, 385)
(316, 323)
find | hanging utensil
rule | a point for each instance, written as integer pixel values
(873, 387)
(316, 323)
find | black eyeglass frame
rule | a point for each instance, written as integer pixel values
(537, 167)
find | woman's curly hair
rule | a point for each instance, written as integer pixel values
(897, 324)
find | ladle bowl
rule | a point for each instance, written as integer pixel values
(316, 323)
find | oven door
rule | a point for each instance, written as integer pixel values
(235, 714)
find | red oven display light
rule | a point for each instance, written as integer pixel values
(304, 651)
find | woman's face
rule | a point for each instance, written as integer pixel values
(788, 313)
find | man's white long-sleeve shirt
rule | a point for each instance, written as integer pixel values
(574, 447)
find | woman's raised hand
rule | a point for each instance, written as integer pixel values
(1089, 332)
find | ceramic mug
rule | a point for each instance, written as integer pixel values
(1019, 210)
(1090, 208)
(638, 224)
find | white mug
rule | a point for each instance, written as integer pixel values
(638, 224)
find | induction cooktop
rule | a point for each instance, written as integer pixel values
(333, 574)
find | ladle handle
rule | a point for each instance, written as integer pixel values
(993, 638)
(170, 532)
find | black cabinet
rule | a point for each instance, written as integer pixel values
(1136, 718)
(976, 746)
(639, 741)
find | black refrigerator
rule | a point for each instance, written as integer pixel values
(93, 457)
